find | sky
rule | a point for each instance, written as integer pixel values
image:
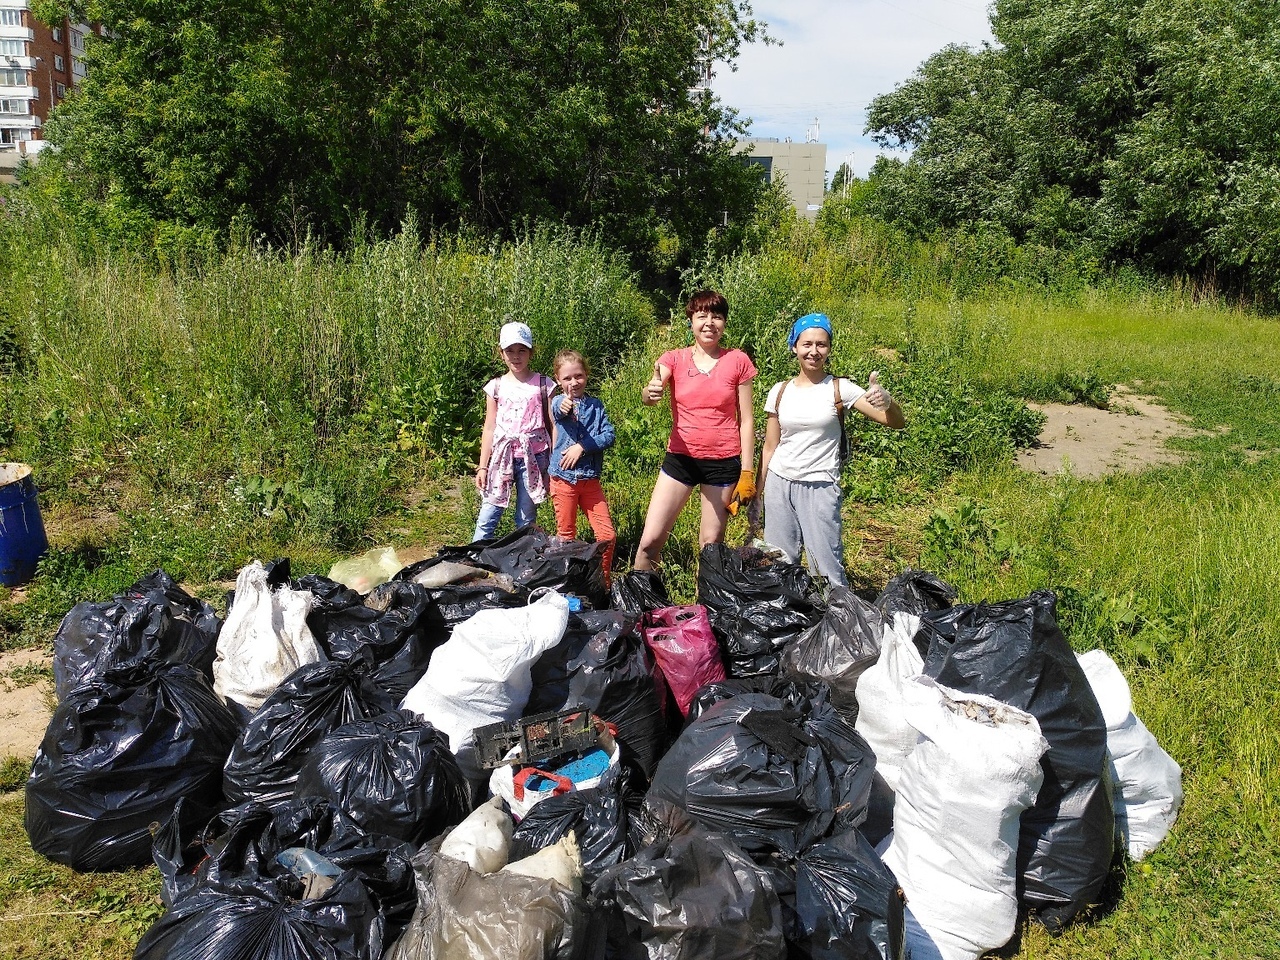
(836, 55)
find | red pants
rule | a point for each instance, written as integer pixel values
(567, 497)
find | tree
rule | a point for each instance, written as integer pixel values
(482, 113)
(841, 178)
(1141, 129)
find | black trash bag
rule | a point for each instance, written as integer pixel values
(757, 606)
(639, 591)
(602, 663)
(269, 918)
(1014, 652)
(600, 819)
(119, 753)
(774, 778)
(794, 694)
(532, 559)
(847, 904)
(455, 602)
(241, 845)
(155, 619)
(392, 622)
(393, 774)
(916, 592)
(688, 894)
(838, 649)
(311, 703)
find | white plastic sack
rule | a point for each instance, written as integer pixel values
(482, 674)
(264, 639)
(561, 862)
(371, 568)
(1148, 782)
(961, 793)
(882, 710)
(483, 840)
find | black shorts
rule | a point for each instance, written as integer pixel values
(692, 471)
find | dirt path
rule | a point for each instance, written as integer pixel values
(1130, 436)
(25, 708)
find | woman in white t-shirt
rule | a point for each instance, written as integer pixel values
(800, 465)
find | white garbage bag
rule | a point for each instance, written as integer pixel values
(483, 840)
(561, 862)
(1148, 782)
(481, 675)
(961, 794)
(264, 639)
(882, 710)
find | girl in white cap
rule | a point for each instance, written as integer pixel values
(516, 444)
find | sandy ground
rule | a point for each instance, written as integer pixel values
(1130, 436)
(24, 710)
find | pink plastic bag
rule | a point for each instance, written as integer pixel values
(685, 649)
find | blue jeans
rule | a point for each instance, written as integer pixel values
(491, 513)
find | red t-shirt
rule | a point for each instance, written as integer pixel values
(704, 406)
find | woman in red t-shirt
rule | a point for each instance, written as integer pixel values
(712, 434)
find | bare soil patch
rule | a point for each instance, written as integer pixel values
(1130, 436)
(25, 709)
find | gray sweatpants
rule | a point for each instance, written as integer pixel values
(800, 514)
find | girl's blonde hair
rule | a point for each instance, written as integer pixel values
(569, 356)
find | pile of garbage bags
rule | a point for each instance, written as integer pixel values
(488, 755)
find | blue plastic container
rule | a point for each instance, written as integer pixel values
(22, 538)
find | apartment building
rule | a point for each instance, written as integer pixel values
(38, 65)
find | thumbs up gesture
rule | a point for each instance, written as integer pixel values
(652, 392)
(877, 395)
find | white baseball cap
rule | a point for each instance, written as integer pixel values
(514, 333)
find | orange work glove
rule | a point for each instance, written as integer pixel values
(744, 492)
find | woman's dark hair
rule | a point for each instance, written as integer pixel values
(709, 300)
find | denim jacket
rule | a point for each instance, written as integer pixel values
(588, 425)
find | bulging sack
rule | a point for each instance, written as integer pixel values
(1148, 782)
(119, 753)
(155, 619)
(961, 794)
(685, 648)
(392, 774)
(465, 915)
(533, 560)
(1015, 653)
(313, 702)
(771, 777)
(392, 622)
(688, 894)
(265, 639)
(882, 702)
(483, 674)
(757, 605)
(848, 905)
(601, 663)
(839, 648)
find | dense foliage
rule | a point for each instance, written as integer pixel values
(1140, 130)
(317, 118)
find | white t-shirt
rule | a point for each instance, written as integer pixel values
(809, 448)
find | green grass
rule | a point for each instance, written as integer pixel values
(189, 440)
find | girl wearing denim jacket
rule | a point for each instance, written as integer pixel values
(582, 433)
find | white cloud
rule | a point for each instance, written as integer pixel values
(836, 57)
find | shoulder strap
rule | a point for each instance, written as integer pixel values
(835, 382)
(545, 394)
(777, 404)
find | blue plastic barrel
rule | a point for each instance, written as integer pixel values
(22, 538)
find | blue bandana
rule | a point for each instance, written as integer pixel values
(808, 322)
